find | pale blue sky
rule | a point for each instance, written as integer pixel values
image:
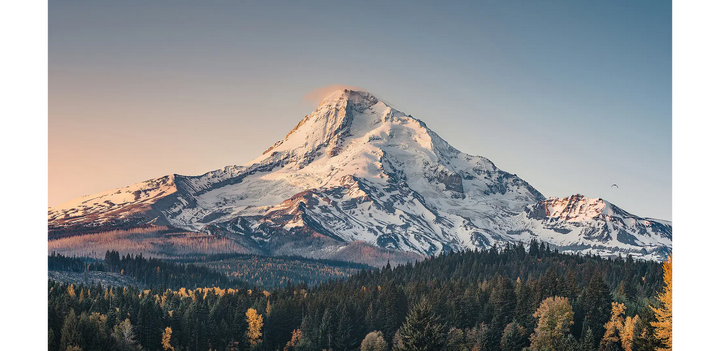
(572, 96)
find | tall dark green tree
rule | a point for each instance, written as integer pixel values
(191, 326)
(393, 309)
(514, 337)
(93, 331)
(149, 326)
(348, 330)
(422, 330)
(502, 301)
(594, 307)
(70, 336)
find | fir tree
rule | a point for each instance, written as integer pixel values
(513, 338)
(595, 305)
(588, 341)
(70, 336)
(149, 323)
(422, 330)
(502, 300)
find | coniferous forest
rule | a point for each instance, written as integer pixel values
(509, 298)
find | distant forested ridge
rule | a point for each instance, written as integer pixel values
(148, 272)
(205, 271)
(508, 298)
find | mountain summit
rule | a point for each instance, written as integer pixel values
(358, 170)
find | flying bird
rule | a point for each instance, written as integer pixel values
(615, 185)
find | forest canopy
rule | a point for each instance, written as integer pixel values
(508, 298)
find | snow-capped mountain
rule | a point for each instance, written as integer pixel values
(356, 169)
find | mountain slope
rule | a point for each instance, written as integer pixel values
(357, 170)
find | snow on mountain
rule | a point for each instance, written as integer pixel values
(357, 170)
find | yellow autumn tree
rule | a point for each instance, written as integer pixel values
(555, 316)
(294, 341)
(167, 334)
(620, 329)
(255, 324)
(663, 313)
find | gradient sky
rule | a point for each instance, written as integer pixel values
(571, 96)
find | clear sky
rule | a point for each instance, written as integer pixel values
(572, 96)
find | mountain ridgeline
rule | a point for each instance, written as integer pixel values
(359, 180)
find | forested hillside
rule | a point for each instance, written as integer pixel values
(206, 271)
(500, 299)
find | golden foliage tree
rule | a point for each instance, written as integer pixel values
(255, 324)
(620, 329)
(167, 335)
(555, 316)
(663, 313)
(294, 341)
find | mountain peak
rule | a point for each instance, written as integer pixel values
(342, 114)
(353, 97)
(357, 169)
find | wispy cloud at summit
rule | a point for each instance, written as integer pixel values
(317, 95)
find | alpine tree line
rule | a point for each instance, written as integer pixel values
(509, 298)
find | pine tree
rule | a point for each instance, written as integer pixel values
(595, 305)
(502, 300)
(149, 327)
(51, 340)
(93, 331)
(393, 309)
(345, 330)
(422, 330)
(513, 338)
(588, 341)
(69, 335)
(663, 313)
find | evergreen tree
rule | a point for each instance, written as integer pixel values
(394, 308)
(595, 305)
(70, 336)
(502, 300)
(93, 331)
(588, 341)
(149, 324)
(513, 338)
(422, 330)
(346, 329)
(51, 340)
